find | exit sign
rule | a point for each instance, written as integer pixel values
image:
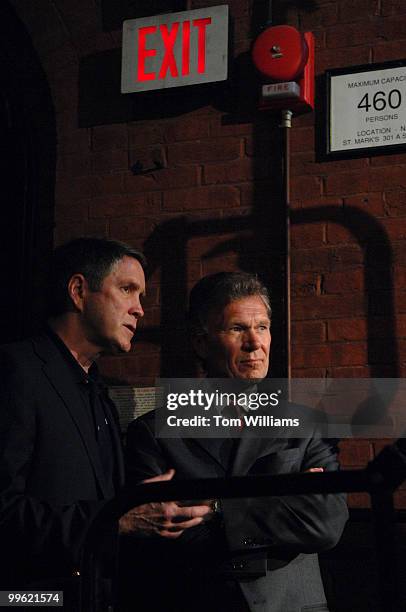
(175, 49)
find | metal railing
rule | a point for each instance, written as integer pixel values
(380, 479)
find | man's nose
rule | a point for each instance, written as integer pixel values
(251, 340)
(137, 309)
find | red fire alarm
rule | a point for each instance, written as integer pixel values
(285, 58)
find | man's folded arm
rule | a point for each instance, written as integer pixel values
(302, 523)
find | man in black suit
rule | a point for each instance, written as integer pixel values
(254, 554)
(61, 459)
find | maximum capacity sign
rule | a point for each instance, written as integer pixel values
(366, 110)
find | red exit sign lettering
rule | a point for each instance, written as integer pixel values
(175, 49)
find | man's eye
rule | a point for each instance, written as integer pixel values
(236, 328)
(125, 289)
(263, 327)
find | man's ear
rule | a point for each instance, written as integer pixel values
(199, 344)
(77, 286)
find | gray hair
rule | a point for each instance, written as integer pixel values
(215, 291)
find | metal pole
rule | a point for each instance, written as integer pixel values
(285, 125)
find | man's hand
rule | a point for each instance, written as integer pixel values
(164, 519)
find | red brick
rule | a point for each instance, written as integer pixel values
(136, 365)
(110, 367)
(355, 453)
(382, 178)
(124, 205)
(385, 51)
(186, 128)
(393, 28)
(302, 139)
(328, 307)
(348, 182)
(109, 137)
(304, 187)
(399, 277)
(304, 260)
(219, 149)
(350, 372)
(307, 235)
(199, 246)
(72, 140)
(308, 332)
(338, 354)
(68, 190)
(326, 59)
(352, 10)
(339, 234)
(372, 203)
(393, 7)
(108, 184)
(322, 16)
(77, 210)
(254, 192)
(149, 159)
(353, 35)
(348, 281)
(220, 127)
(304, 163)
(70, 229)
(167, 178)
(395, 203)
(308, 283)
(316, 356)
(145, 133)
(396, 228)
(399, 252)
(231, 172)
(70, 165)
(128, 228)
(204, 197)
(319, 202)
(109, 161)
(309, 372)
(222, 263)
(347, 329)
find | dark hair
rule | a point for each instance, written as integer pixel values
(92, 257)
(215, 291)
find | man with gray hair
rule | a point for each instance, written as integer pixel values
(254, 554)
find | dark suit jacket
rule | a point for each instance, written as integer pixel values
(268, 544)
(52, 488)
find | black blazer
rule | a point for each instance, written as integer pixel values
(52, 487)
(269, 542)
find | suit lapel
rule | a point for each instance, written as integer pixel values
(60, 377)
(217, 449)
(250, 448)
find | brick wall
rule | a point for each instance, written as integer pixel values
(214, 205)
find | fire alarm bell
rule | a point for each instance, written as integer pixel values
(285, 58)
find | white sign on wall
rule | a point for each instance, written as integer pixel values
(175, 49)
(367, 109)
